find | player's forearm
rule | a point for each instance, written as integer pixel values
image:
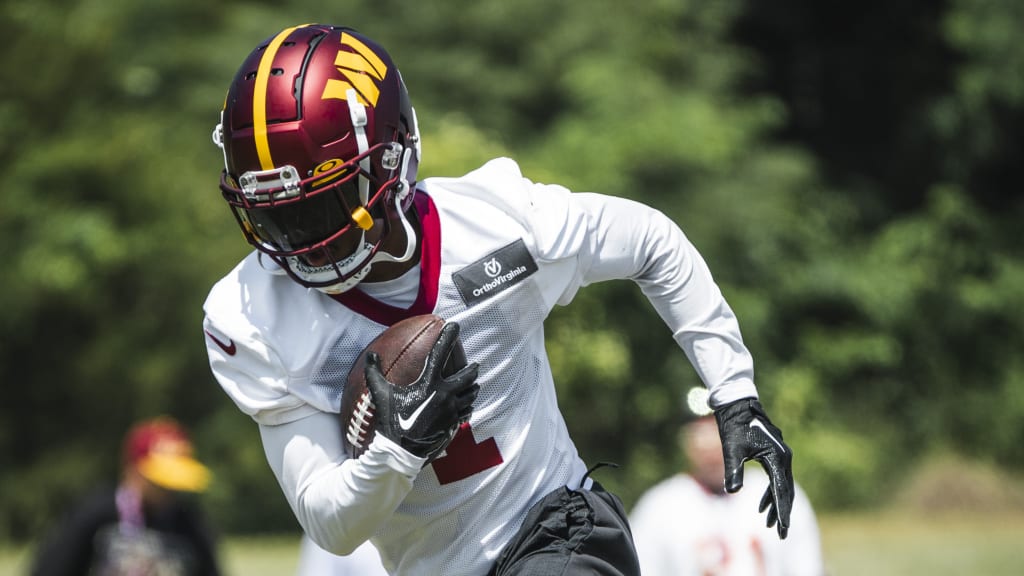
(339, 503)
(344, 507)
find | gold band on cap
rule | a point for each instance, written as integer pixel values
(175, 472)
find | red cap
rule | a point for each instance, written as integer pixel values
(161, 451)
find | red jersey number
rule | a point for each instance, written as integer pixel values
(465, 457)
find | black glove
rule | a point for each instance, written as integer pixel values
(747, 434)
(424, 416)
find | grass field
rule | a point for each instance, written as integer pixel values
(943, 545)
(854, 545)
(262, 556)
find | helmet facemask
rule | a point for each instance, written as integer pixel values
(297, 223)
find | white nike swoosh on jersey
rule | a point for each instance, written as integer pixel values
(758, 424)
(406, 424)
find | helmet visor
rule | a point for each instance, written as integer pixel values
(295, 226)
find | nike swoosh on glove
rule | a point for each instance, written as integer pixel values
(424, 416)
(748, 434)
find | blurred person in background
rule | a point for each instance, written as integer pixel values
(688, 525)
(315, 561)
(146, 525)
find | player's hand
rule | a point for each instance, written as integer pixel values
(747, 434)
(424, 416)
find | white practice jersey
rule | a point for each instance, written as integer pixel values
(498, 253)
(681, 529)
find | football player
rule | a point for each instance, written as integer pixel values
(321, 150)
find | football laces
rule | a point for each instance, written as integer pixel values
(358, 430)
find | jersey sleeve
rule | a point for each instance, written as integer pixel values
(246, 365)
(616, 238)
(250, 376)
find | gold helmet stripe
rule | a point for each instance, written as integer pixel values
(259, 98)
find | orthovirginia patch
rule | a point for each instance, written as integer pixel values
(495, 273)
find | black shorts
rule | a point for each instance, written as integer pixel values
(572, 532)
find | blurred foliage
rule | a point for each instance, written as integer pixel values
(851, 174)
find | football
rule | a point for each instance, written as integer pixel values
(403, 349)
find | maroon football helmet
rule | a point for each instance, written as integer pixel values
(319, 140)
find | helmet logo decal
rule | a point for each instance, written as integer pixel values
(363, 71)
(326, 166)
(259, 97)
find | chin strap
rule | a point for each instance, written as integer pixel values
(403, 190)
(357, 112)
(218, 139)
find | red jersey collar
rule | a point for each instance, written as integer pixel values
(430, 271)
